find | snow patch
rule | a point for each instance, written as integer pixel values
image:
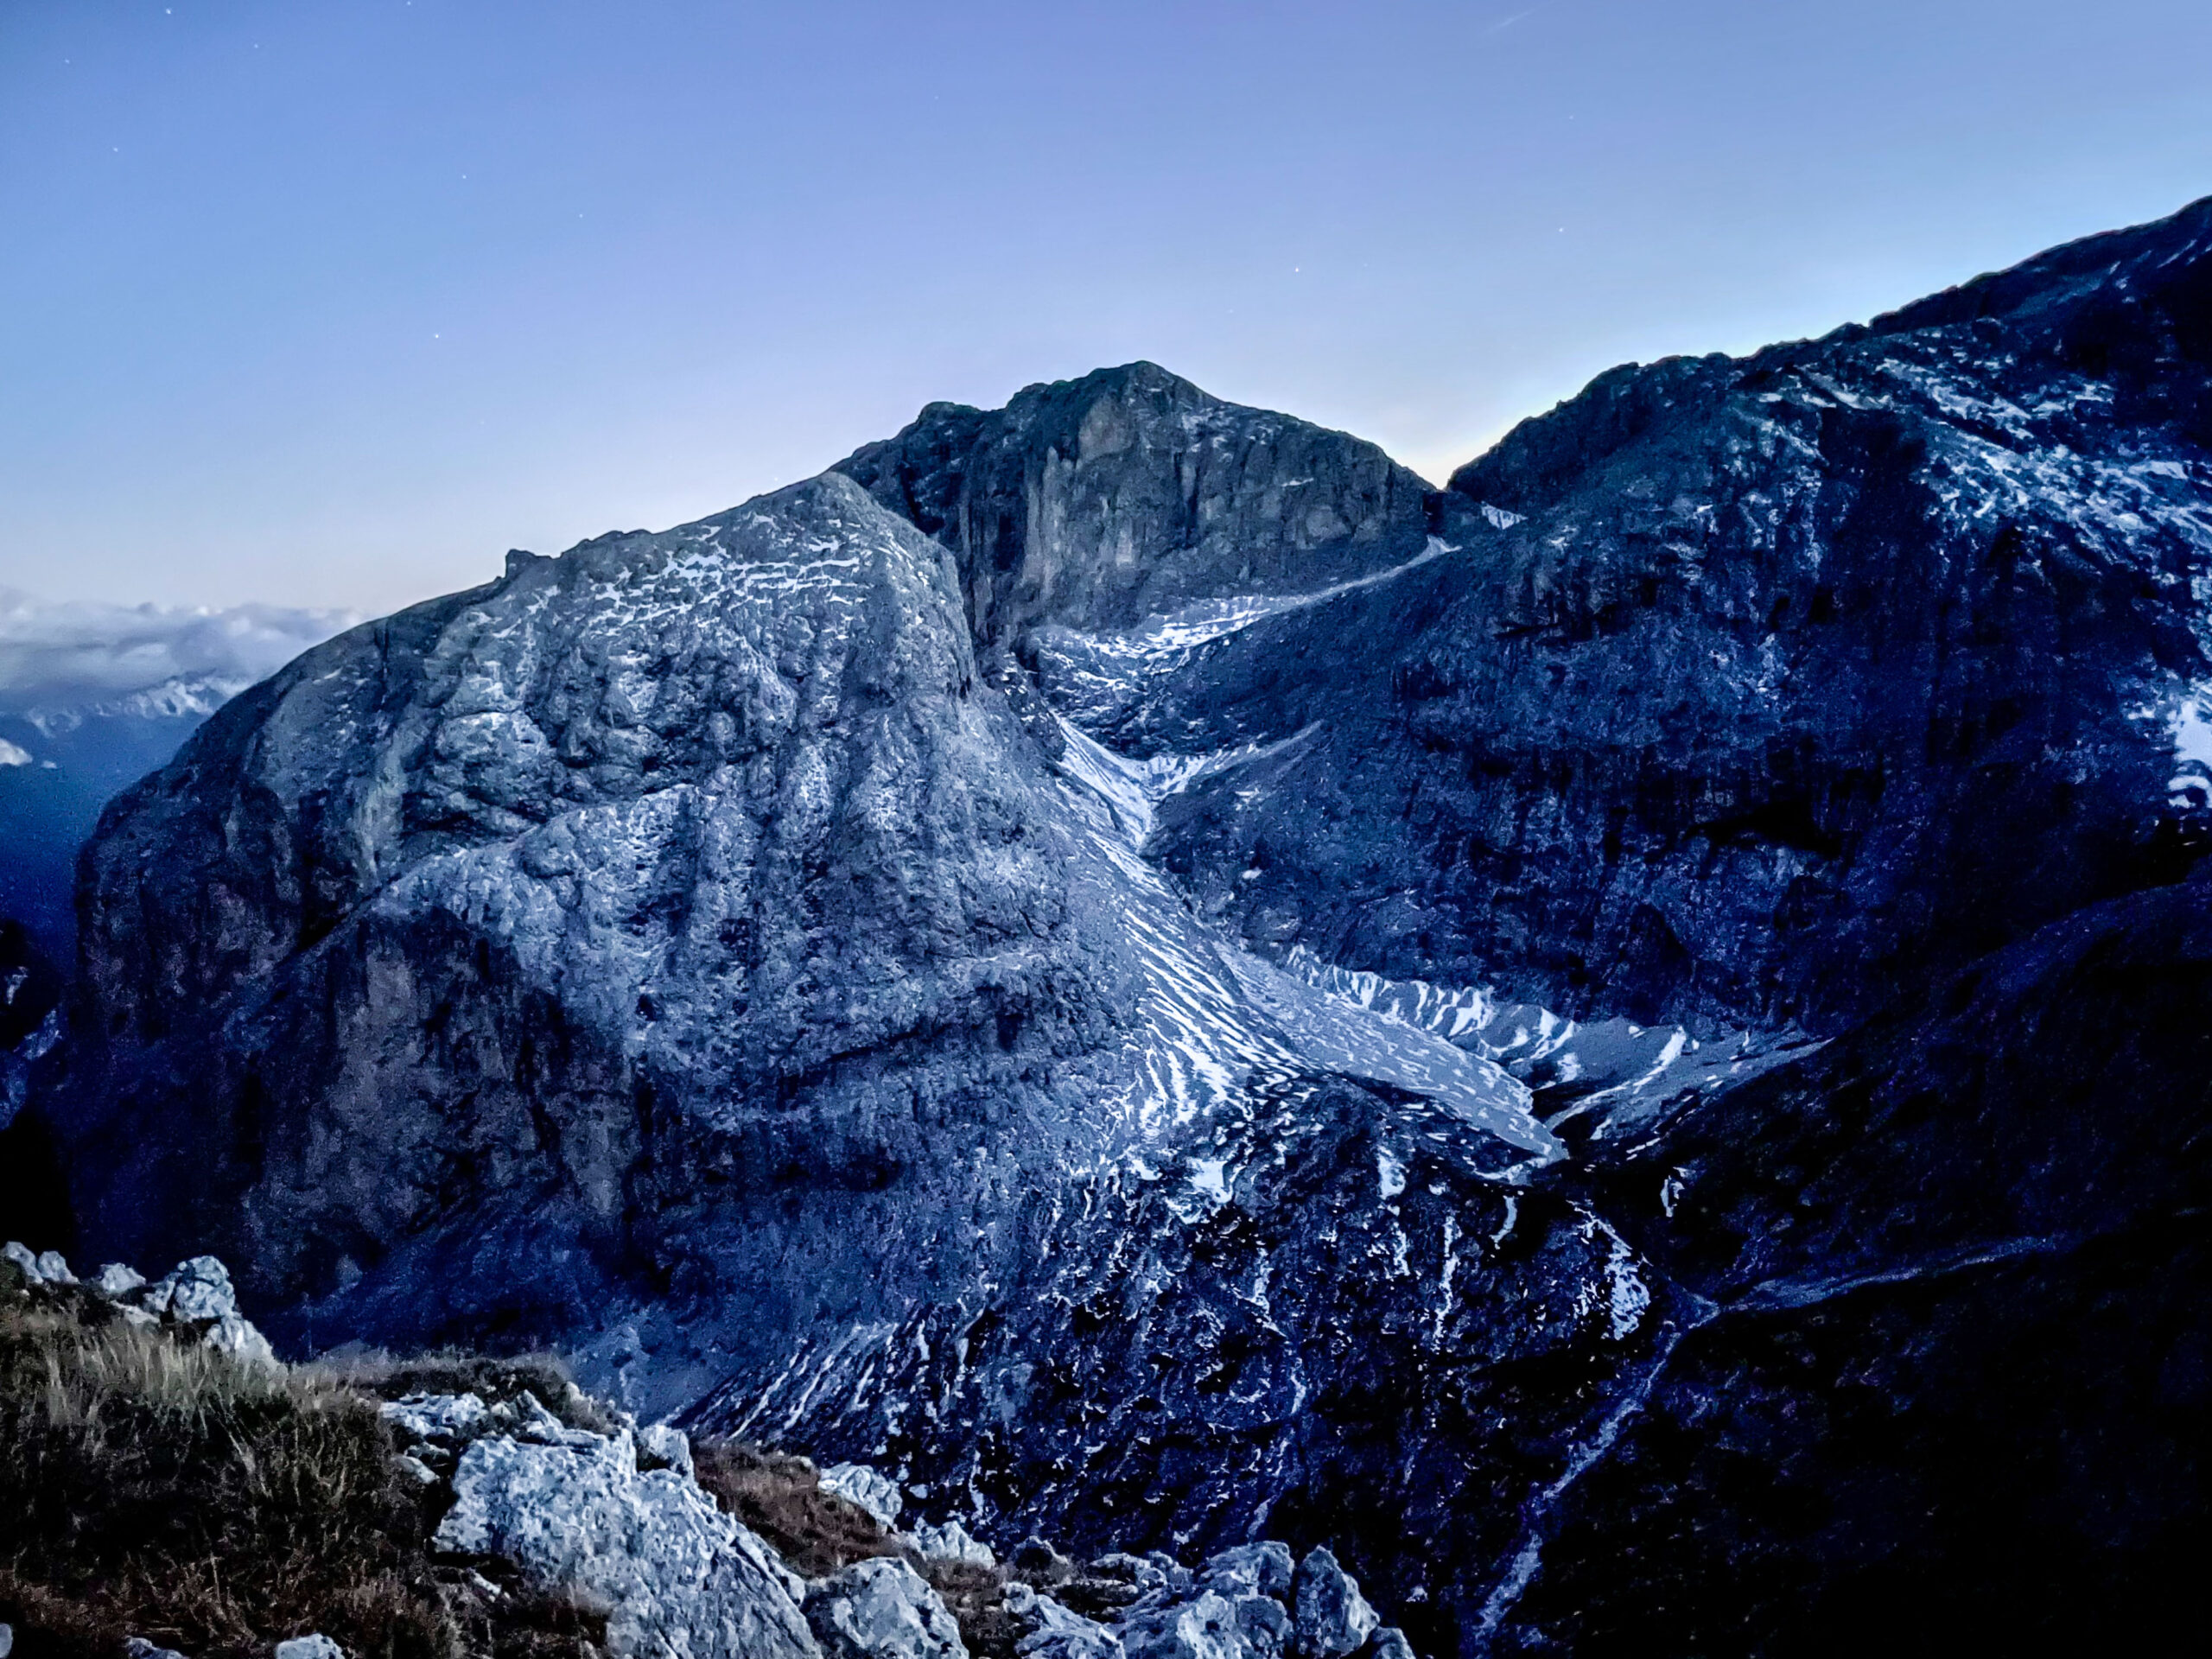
(1389, 1174)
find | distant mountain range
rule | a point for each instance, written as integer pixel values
(1628, 1041)
(94, 696)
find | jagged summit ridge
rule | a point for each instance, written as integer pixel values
(1100, 501)
(1739, 664)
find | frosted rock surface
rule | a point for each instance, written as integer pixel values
(881, 1609)
(951, 1542)
(858, 1483)
(317, 1646)
(1262, 1569)
(1052, 1631)
(116, 1279)
(670, 1445)
(194, 1290)
(1333, 1618)
(681, 1576)
(235, 1335)
(1131, 493)
(447, 1417)
(1206, 1626)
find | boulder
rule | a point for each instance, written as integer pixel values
(1206, 1626)
(859, 1484)
(117, 1280)
(1051, 1630)
(1086, 1640)
(314, 1646)
(7, 1640)
(666, 1446)
(194, 1291)
(1389, 1642)
(880, 1609)
(236, 1337)
(442, 1417)
(416, 1470)
(1264, 1625)
(576, 1515)
(527, 1419)
(1262, 1569)
(951, 1542)
(1333, 1618)
(43, 1268)
(1154, 1570)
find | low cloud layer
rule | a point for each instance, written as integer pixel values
(62, 655)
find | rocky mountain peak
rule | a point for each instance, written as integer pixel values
(1130, 492)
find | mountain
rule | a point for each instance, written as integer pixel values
(59, 767)
(1129, 494)
(1624, 1041)
(93, 696)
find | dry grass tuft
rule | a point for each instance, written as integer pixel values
(781, 1498)
(817, 1532)
(154, 1487)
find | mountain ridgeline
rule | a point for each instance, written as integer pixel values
(1626, 1042)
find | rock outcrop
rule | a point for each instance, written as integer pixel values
(881, 1609)
(859, 1484)
(573, 1510)
(582, 1513)
(30, 1017)
(617, 904)
(195, 1298)
(1128, 494)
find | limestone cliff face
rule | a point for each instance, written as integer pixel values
(545, 938)
(1129, 494)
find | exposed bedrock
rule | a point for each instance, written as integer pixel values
(653, 923)
(1919, 1319)
(1101, 502)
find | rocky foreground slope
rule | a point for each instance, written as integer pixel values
(1624, 1042)
(421, 1509)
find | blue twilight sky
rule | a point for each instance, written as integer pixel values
(328, 303)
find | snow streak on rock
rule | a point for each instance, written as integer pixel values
(1217, 1019)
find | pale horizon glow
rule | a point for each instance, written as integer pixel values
(327, 307)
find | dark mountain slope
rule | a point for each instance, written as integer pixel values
(1920, 1320)
(1956, 1350)
(1755, 689)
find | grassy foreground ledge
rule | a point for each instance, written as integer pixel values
(156, 1487)
(151, 1486)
